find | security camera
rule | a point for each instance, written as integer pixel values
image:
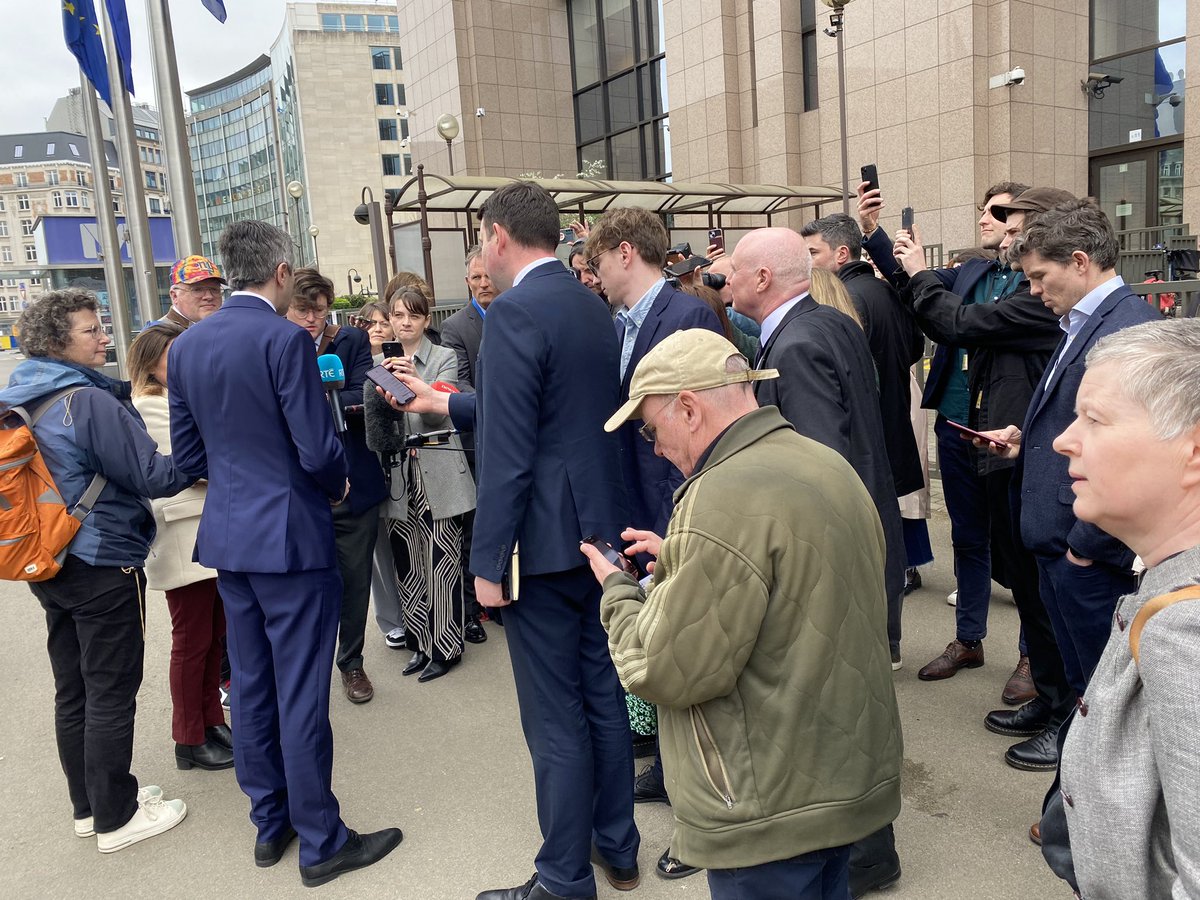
(1016, 76)
(480, 112)
(402, 113)
(1100, 76)
(1011, 77)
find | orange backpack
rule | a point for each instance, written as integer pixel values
(35, 526)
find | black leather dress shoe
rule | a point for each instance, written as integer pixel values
(267, 853)
(418, 662)
(209, 755)
(436, 669)
(1038, 754)
(473, 632)
(530, 890)
(358, 852)
(649, 786)
(623, 878)
(670, 867)
(1024, 721)
(865, 879)
(219, 734)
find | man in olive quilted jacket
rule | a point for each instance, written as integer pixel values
(762, 636)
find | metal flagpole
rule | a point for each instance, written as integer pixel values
(145, 279)
(185, 217)
(106, 224)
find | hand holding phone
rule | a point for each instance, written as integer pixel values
(381, 377)
(906, 219)
(392, 349)
(716, 237)
(977, 435)
(871, 176)
(620, 560)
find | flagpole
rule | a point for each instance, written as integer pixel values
(185, 217)
(145, 278)
(106, 223)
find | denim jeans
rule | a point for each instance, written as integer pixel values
(967, 504)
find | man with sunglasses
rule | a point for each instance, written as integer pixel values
(196, 291)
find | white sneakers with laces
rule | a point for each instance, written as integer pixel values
(84, 828)
(154, 816)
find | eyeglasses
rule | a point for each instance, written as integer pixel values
(202, 290)
(94, 332)
(648, 431)
(310, 313)
(592, 264)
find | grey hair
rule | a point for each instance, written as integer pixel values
(45, 325)
(1157, 362)
(1076, 225)
(474, 253)
(837, 230)
(251, 251)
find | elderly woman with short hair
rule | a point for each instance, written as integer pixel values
(95, 605)
(1129, 788)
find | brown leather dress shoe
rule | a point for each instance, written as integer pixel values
(956, 656)
(1019, 688)
(357, 685)
(1035, 833)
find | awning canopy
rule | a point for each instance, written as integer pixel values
(466, 193)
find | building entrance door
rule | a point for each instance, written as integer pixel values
(1140, 188)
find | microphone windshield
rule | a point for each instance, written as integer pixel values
(333, 373)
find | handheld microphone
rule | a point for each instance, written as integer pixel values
(429, 438)
(333, 378)
(382, 435)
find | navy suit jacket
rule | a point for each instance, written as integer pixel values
(367, 484)
(548, 379)
(1046, 510)
(652, 479)
(247, 407)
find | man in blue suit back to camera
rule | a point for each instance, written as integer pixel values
(248, 411)
(549, 476)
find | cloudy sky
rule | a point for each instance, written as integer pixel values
(36, 67)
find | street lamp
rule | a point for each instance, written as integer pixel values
(447, 127)
(350, 282)
(836, 21)
(313, 231)
(367, 213)
(296, 190)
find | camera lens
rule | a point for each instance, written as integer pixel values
(714, 280)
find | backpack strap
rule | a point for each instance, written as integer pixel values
(1155, 605)
(92, 493)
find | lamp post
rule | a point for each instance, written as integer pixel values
(447, 127)
(367, 213)
(313, 231)
(836, 21)
(350, 282)
(296, 190)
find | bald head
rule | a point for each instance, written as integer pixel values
(770, 267)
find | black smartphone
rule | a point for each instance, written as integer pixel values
(381, 377)
(972, 433)
(620, 560)
(716, 237)
(392, 349)
(906, 219)
(871, 176)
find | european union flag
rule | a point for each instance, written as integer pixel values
(119, 19)
(216, 7)
(82, 32)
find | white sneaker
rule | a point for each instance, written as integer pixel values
(154, 816)
(396, 638)
(952, 598)
(85, 827)
(897, 662)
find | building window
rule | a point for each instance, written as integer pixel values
(376, 23)
(355, 22)
(72, 199)
(387, 130)
(391, 164)
(384, 95)
(116, 204)
(808, 51)
(6, 254)
(81, 177)
(381, 57)
(404, 129)
(52, 176)
(400, 95)
(331, 22)
(3, 228)
(87, 199)
(407, 164)
(151, 181)
(23, 202)
(35, 282)
(18, 151)
(27, 227)
(155, 206)
(74, 150)
(56, 199)
(20, 179)
(3, 207)
(30, 253)
(398, 57)
(394, 24)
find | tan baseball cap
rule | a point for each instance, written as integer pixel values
(691, 360)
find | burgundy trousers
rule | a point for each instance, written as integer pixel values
(197, 626)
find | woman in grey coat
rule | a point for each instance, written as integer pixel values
(1129, 789)
(437, 490)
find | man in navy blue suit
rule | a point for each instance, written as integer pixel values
(1069, 255)
(549, 476)
(248, 411)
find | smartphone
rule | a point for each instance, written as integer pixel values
(970, 432)
(716, 237)
(871, 176)
(906, 219)
(392, 349)
(566, 235)
(381, 377)
(620, 560)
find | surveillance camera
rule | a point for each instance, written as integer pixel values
(480, 112)
(1110, 79)
(1016, 76)
(402, 113)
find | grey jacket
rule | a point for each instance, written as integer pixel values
(449, 486)
(1128, 776)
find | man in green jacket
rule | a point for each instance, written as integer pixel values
(762, 636)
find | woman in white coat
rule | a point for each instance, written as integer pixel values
(202, 739)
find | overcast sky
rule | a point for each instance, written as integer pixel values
(36, 68)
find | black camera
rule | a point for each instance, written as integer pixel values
(714, 280)
(684, 250)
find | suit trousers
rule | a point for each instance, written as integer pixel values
(197, 627)
(281, 630)
(1081, 601)
(966, 502)
(96, 620)
(354, 535)
(819, 875)
(576, 726)
(385, 596)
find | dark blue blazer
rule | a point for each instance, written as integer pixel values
(247, 407)
(1046, 501)
(960, 281)
(652, 479)
(548, 379)
(367, 485)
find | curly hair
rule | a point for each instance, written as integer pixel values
(144, 353)
(45, 325)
